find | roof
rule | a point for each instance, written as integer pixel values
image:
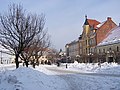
(91, 22)
(112, 37)
(73, 42)
(99, 25)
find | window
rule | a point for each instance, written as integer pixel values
(110, 48)
(94, 49)
(89, 50)
(94, 41)
(90, 42)
(99, 51)
(103, 50)
(86, 42)
(117, 49)
(86, 50)
(80, 44)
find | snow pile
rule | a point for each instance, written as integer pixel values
(9, 82)
(41, 78)
(29, 79)
(107, 68)
(42, 68)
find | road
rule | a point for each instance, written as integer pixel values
(63, 71)
(85, 81)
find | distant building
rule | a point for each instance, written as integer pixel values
(72, 49)
(5, 58)
(48, 55)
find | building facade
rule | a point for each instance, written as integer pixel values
(93, 33)
(5, 57)
(109, 48)
(72, 49)
(103, 29)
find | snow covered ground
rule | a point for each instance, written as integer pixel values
(29, 79)
(75, 77)
(105, 68)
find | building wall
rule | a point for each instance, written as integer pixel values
(114, 48)
(73, 48)
(4, 57)
(85, 39)
(104, 29)
(80, 47)
(105, 48)
(90, 38)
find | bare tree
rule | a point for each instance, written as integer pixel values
(37, 48)
(53, 55)
(18, 29)
(42, 45)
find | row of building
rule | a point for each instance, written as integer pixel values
(99, 42)
(47, 56)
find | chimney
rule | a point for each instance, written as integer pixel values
(108, 18)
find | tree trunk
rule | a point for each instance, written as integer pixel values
(16, 60)
(37, 62)
(26, 63)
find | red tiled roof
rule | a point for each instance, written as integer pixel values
(93, 23)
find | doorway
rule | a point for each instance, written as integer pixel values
(110, 59)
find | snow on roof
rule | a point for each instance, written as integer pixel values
(3, 49)
(113, 37)
(99, 25)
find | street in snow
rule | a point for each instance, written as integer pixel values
(45, 77)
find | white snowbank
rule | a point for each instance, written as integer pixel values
(106, 68)
(29, 79)
(42, 79)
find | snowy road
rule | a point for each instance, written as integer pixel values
(60, 71)
(88, 81)
(46, 77)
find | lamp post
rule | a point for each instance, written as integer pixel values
(110, 56)
(78, 58)
(67, 53)
(67, 50)
(1, 57)
(90, 58)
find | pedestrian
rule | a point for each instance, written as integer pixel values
(99, 64)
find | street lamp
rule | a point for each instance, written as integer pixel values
(1, 57)
(78, 57)
(67, 50)
(90, 58)
(110, 55)
(67, 55)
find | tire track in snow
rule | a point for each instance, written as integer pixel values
(60, 71)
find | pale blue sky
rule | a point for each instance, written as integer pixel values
(64, 18)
